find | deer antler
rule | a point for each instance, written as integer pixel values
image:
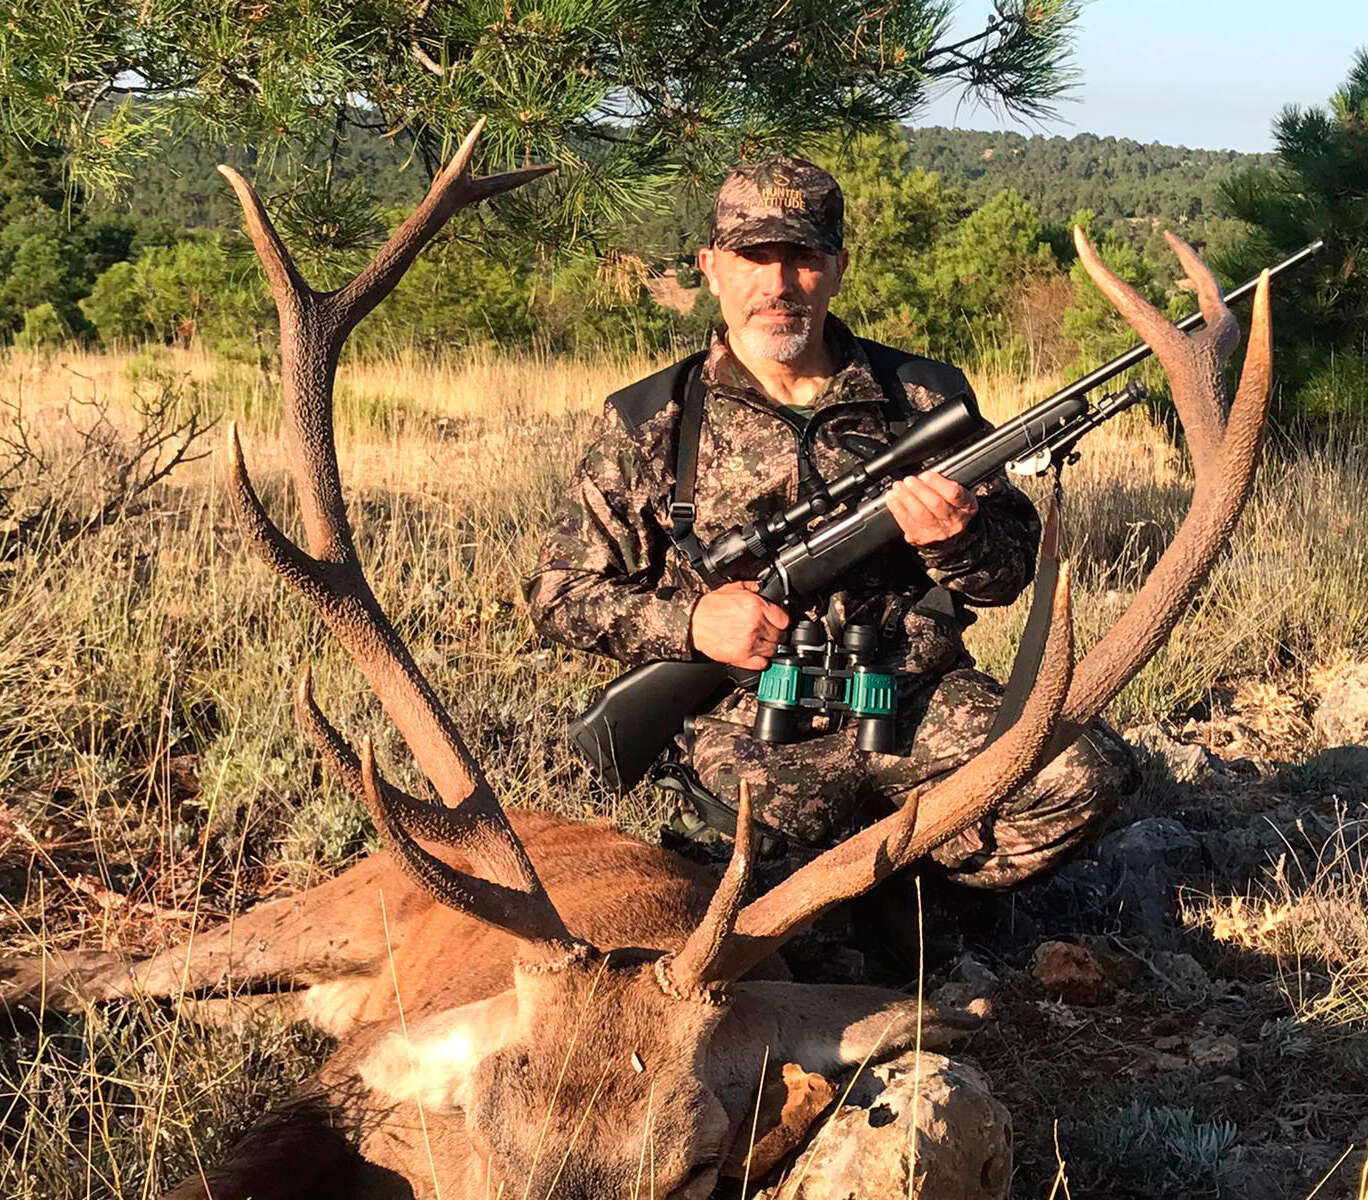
(1225, 453)
(313, 327)
(688, 972)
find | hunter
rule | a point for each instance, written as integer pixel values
(784, 397)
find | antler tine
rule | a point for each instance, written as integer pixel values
(451, 191)
(281, 271)
(1193, 363)
(925, 821)
(530, 915)
(418, 817)
(689, 970)
(313, 327)
(1218, 498)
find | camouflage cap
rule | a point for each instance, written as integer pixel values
(782, 199)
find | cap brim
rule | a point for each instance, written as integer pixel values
(768, 230)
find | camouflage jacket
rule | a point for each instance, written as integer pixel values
(610, 580)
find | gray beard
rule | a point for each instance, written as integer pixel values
(779, 347)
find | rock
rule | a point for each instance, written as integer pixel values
(1147, 859)
(847, 965)
(1342, 716)
(1124, 970)
(1237, 853)
(963, 996)
(970, 971)
(1059, 1014)
(1215, 1052)
(1153, 842)
(1187, 762)
(1072, 974)
(963, 1143)
(1180, 976)
(953, 995)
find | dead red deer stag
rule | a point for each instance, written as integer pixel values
(530, 1005)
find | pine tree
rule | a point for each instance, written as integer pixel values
(1319, 189)
(636, 99)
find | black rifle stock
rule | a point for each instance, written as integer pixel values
(636, 716)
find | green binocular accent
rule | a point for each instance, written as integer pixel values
(867, 693)
(872, 694)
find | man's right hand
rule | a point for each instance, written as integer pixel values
(735, 625)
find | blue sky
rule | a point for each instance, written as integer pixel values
(1200, 73)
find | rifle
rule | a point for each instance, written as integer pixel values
(636, 716)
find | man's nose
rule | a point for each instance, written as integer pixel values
(779, 277)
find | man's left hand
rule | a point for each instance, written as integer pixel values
(930, 508)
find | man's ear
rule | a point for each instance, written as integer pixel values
(842, 262)
(707, 263)
(436, 1062)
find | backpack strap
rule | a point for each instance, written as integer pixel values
(896, 370)
(682, 510)
(640, 401)
(885, 363)
(682, 384)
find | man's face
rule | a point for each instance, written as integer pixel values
(774, 296)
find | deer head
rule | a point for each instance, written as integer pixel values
(629, 1071)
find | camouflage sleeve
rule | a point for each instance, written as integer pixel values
(992, 561)
(598, 584)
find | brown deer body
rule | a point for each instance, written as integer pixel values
(535, 1007)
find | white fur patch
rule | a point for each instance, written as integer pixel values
(434, 1064)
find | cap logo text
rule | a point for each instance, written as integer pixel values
(782, 197)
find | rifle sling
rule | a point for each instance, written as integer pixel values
(1031, 648)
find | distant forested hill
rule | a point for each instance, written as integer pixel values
(1117, 178)
(180, 189)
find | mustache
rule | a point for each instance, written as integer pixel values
(790, 308)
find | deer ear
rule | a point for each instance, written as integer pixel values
(436, 1062)
(827, 1027)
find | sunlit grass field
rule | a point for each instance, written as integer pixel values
(150, 774)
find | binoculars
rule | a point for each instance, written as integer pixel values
(812, 672)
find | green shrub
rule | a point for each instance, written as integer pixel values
(43, 327)
(117, 307)
(1336, 390)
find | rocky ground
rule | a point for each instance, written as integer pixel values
(1181, 1012)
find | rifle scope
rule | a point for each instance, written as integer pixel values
(944, 426)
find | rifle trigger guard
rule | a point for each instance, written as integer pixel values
(782, 572)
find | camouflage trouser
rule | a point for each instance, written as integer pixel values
(820, 790)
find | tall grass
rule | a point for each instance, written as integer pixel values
(150, 770)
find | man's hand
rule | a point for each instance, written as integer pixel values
(736, 626)
(930, 508)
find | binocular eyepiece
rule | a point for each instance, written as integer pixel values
(811, 672)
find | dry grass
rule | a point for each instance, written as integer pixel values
(149, 767)
(1311, 916)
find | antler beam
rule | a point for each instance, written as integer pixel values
(313, 327)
